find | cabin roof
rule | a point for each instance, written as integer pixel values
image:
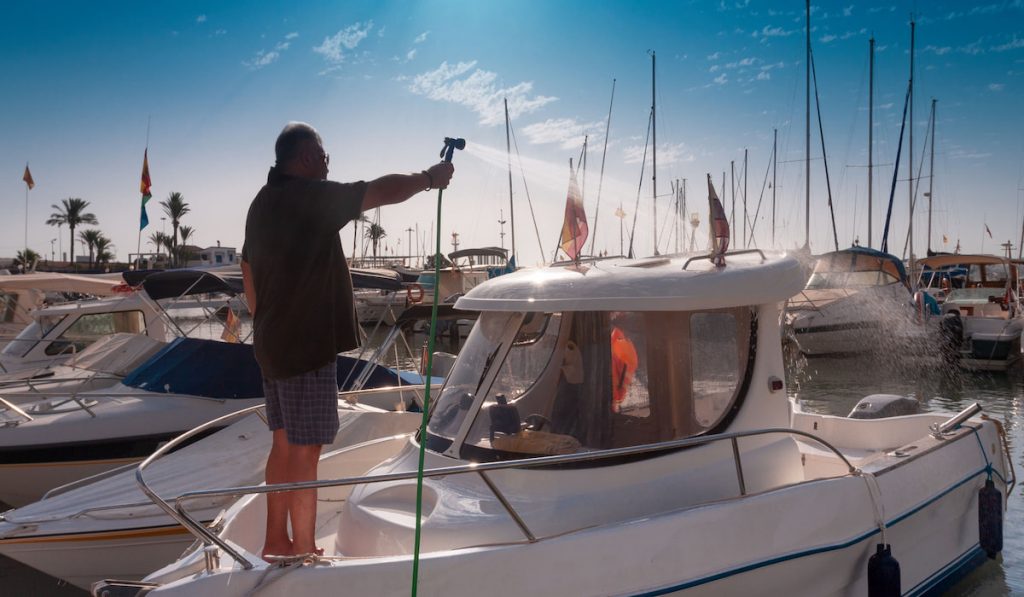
(97, 285)
(939, 261)
(656, 284)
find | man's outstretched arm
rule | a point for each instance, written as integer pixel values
(396, 188)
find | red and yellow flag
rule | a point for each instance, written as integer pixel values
(27, 177)
(574, 227)
(719, 226)
(145, 187)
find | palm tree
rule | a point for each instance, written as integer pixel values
(103, 252)
(72, 212)
(362, 219)
(376, 233)
(89, 237)
(175, 208)
(157, 238)
(186, 233)
(26, 259)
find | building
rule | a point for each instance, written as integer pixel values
(212, 256)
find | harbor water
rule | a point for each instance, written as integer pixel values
(830, 386)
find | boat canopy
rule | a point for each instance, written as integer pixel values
(941, 261)
(200, 368)
(479, 252)
(660, 284)
(96, 285)
(162, 284)
(376, 279)
(856, 267)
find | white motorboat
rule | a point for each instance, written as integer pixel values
(982, 317)
(623, 429)
(856, 301)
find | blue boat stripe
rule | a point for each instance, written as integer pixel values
(943, 573)
(809, 552)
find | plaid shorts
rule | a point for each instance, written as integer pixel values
(305, 406)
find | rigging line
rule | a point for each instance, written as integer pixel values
(600, 180)
(764, 185)
(824, 156)
(529, 202)
(920, 167)
(643, 164)
(895, 173)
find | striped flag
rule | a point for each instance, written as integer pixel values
(988, 231)
(27, 177)
(232, 328)
(619, 213)
(574, 227)
(145, 187)
(719, 226)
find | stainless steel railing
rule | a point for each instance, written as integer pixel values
(208, 537)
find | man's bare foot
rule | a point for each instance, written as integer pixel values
(283, 548)
(315, 550)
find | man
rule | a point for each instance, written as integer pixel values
(299, 290)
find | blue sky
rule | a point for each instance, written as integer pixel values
(384, 82)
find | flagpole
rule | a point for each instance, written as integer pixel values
(25, 255)
(138, 245)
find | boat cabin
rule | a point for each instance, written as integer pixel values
(974, 285)
(60, 331)
(856, 267)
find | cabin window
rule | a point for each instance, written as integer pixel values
(90, 327)
(600, 380)
(34, 332)
(8, 306)
(467, 376)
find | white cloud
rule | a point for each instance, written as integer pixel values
(848, 11)
(769, 31)
(267, 57)
(715, 56)
(262, 59)
(422, 37)
(220, 32)
(721, 79)
(714, 68)
(764, 75)
(201, 19)
(828, 38)
(779, 64)
(567, 132)
(478, 91)
(668, 153)
(335, 47)
(938, 51)
(1013, 44)
(996, 86)
(410, 54)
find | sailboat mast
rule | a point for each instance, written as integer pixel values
(732, 184)
(682, 226)
(745, 244)
(508, 152)
(871, 128)
(931, 177)
(775, 167)
(910, 149)
(807, 139)
(654, 155)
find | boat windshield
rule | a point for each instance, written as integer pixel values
(8, 306)
(578, 381)
(33, 333)
(847, 279)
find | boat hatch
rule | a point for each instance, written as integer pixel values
(530, 384)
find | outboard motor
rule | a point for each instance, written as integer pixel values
(951, 331)
(880, 406)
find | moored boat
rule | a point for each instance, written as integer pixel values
(627, 412)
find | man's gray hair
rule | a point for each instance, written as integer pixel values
(291, 140)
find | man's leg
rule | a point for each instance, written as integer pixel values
(277, 541)
(302, 466)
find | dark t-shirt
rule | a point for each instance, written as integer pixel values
(304, 309)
